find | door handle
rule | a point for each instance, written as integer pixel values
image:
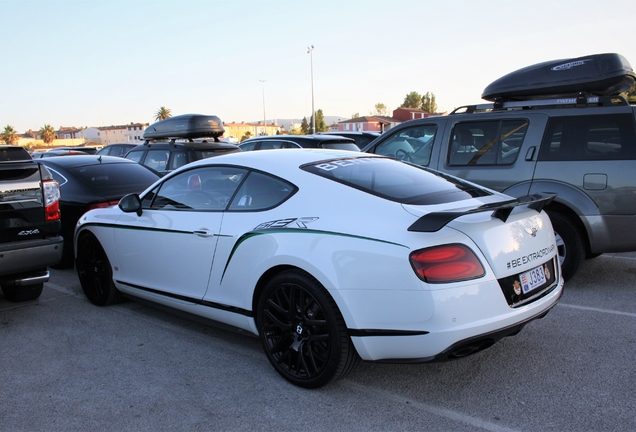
(203, 233)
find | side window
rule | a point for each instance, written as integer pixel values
(247, 146)
(487, 143)
(205, 188)
(261, 191)
(271, 144)
(179, 159)
(595, 137)
(413, 144)
(135, 155)
(157, 159)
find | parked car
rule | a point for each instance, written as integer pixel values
(83, 149)
(57, 152)
(298, 141)
(119, 149)
(362, 138)
(162, 153)
(440, 269)
(580, 146)
(92, 181)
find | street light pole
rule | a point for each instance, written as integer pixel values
(264, 116)
(310, 51)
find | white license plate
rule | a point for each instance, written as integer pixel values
(532, 279)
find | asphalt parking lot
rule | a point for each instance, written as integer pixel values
(68, 365)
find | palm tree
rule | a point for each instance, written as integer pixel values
(47, 133)
(9, 135)
(162, 114)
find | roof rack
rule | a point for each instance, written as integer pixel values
(580, 100)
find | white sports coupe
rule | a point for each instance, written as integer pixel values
(329, 257)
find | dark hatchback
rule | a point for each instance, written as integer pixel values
(92, 181)
(272, 142)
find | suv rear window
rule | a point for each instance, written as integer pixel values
(591, 137)
(396, 181)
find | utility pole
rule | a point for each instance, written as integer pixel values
(264, 116)
(310, 51)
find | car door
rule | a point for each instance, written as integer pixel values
(415, 143)
(171, 246)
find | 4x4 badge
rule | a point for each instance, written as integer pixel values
(532, 231)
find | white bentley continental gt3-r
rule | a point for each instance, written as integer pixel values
(329, 257)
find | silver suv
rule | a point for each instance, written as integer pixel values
(582, 148)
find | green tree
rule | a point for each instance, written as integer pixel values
(380, 110)
(631, 94)
(321, 126)
(428, 103)
(162, 114)
(356, 115)
(47, 133)
(304, 126)
(247, 135)
(412, 100)
(9, 135)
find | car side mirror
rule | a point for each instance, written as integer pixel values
(130, 204)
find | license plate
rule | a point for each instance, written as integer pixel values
(532, 279)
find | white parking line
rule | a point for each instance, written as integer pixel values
(593, 309)
(432, 409)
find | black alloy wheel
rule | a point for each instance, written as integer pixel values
(302, 331)
(94, 272)
(569, 242)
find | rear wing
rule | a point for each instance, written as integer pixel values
(501, 210)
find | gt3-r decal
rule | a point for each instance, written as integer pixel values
(286, 223)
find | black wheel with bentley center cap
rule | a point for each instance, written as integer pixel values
(302, 331)
(94, 271)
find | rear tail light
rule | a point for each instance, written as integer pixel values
(447, 263)
(102, 205)
(51, 200)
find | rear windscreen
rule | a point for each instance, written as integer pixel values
(115, 179)
(396, 181)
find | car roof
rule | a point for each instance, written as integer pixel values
(281, 161)
(300, 138)
(83, 160)
(196, 145)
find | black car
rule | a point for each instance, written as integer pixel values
(362, 138)
(162, 153)
(119, 149)
(92, 181)
(299, 141)
(84, 149)
(57, 152)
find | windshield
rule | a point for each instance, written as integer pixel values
(396, 181)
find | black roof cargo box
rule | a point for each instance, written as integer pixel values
(186, 126)
(597, 74)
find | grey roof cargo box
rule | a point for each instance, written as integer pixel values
(597, 74)
(186, 126)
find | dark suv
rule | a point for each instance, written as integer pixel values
(580, 146)
(162, 152)
(299, 141)
(362, 138)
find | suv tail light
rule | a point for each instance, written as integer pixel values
(51, 200)
(447, 263)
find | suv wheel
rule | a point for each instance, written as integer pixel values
(569, 243)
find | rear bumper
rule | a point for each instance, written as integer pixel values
(460, 325)
(23, 257)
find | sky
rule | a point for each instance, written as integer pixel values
(87, 63)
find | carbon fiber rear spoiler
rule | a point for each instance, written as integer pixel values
(501, 210)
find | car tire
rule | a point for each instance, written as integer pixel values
(22, 293)
(95, 272)
(570, 246)
(302, 331)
